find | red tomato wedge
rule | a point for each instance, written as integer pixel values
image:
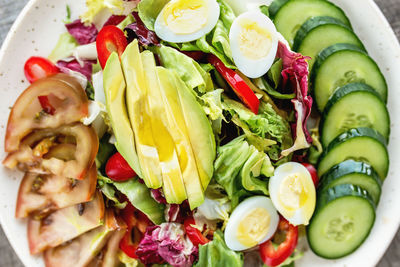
(239, 86)
(193, 233)
(314, 175)
(110, 39)
(118, 169)
(137, 223)
(38, 67)
(272, 256)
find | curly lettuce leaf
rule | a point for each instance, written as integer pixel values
(83, 33)
(216, 253)
(149, 10)
(266, 124)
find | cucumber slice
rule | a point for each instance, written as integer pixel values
(318, 33)
(293, 13)
(360, 144)
(275, 6)
(346, 109)
(356, 173)
(342, 221)
(340, 64)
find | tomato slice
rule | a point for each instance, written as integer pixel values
(38, 67)
(137, 223)
(118, 169)
(193, 233)
(272, 256)
(110, 39)
(239, 86)
(314, 175)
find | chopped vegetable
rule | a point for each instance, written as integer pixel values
(118, 169)
(38, 67)
(110, 39)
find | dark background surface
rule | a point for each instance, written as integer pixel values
(9, 10)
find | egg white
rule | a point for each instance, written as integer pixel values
(304, 213)
(166, 34)
(241, 211)
(253, 68)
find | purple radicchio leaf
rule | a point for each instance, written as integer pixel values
(82, 34)
(114, 20)
(138, 30)
(295, 75)
(74, 65)
(167, 243)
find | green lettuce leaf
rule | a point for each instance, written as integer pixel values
(64, 48)
(216, 254)
(94, 7)
(240, 168)
(139, 196)
(188, 69)
(128, 20)
(149, 10)
(266, 124)
(109, 192)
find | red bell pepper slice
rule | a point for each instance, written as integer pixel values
(313, 172)
(239, 86)
(46, 106)
(193, 233)
(137, 223)
(117, 169)
(36, 68)
(272, 256)
(110, 39)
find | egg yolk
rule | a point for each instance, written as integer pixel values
(185, 16)
(253, 227)
(254, 42)
(292, 192)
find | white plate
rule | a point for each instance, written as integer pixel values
(36, 31)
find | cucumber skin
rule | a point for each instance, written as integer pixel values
(331, 194)
(343, 91)
(349, 167)
(327, 52)
(353, 133)
(275, 6)
(315, 22)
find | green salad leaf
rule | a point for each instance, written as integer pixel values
(241, 169)
(216, 254)
(139, 196)
(94, 7)
(188, 69)
(64, 48)
(149, 10)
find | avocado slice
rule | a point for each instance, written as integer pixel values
(173, 185)
(140, 115)
(199, 130)
(179, 133)
(114, 89)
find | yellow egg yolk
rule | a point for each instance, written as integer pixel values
(253, 227)
(185, 16)
(254, 42)
(292, 192)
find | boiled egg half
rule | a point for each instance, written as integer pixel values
(254, 42)
(293, 192)
(186, 20)
(253, 222)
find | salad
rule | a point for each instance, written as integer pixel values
(200, 133)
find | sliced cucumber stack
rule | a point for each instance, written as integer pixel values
(289, 15)
(360, 144)
(356, 173)
(346, 109)
(342, 221)
(318, 33)
(340, 64)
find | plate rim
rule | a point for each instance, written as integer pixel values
(29, 6)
